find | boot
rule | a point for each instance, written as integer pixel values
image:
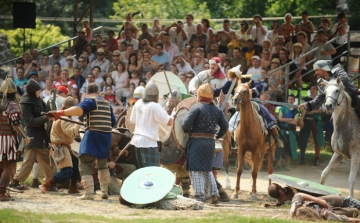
(185, 185)
(316, 161)
(223, 195)
(88, 184)
(275, 132)
(4, 196)
(48, 184)
(16, 187)
(214, 200)
(73, 187)
(104, 176)
(35, 183)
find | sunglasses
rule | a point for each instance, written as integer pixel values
(116, 55)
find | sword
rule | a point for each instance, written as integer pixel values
(274, 102)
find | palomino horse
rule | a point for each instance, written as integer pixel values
(345, 139)
(250, 138)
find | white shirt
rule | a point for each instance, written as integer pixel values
(173, 52)
(147, 118)
(189, 30)
(176, 38)
(256, 73)
(342, 38)
(182, 70)
(195, 82)
(133, 41)
(257, 34)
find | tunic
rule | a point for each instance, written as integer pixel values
(203, 118)
(96, 144)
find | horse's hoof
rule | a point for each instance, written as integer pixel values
(234, 196)
(253, 197)
(228, 187)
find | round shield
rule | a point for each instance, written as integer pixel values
(174, 81)
(181, 137)
(187, 102)
(170, 152)
(120, 122)
(304, 185)
(147, 185)
(128, 124)
(164, 133)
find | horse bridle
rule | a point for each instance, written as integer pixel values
(241, 96)
(329, 96)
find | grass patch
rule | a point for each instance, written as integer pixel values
(12, 216)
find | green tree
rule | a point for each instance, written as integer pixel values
(161, 8)
(38, 38)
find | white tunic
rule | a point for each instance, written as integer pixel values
(202, 77)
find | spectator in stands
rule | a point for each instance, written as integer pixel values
(107, 53)
(265, 60)
(238, 59)
(269, 107)
(306, 26)
(18, 63)
(45, 65)
(279, 40)
(155, 27)
(124, 56)
(200, 36)
(288, 117)
(55, 56)
(129, 39)
(66, 54)
(20, 80)
(121, 79)
(70, 67)
(99, 81)
(174, 69)
(207, 30)
(311, 121)
(274, 31)
(101, 62)
(148, 64)
(299, 59)
(133, 64)
(123, 46)
(140, 56)
(289, 28)
(109, 81)
(145, 35)
(147, 47)
(129, 25)
(161, 37)
(242, 33)
(340, 30)
(182, 65)
(234, 42)
(161, 57)
(148, 75)
(198, 61)
(91, 56)
(85, 69)
(183, 78)
(210, 45)
(325, 50)
(78, 78)
(257, 31)
(35, 66)
(112, 99)
(87, 31)
(301, 38)
(276, 79)
(79, 44)
(325, 23)
(189, 26)
(284, 59)
(255, 69)
(98, 40)
(116, 60)
(178, 35)
(65, 81)
(48, 88)
(57, 71)
(250, 51)
(266, 44)
(90, 79)
(170, 48)
(27, 63)
(112, 43)
(35, 55)
(135, 78)
(223, 36)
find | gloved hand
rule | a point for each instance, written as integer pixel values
(56, 114)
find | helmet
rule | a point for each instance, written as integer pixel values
(205, 91)
(151, 93)
(176, 96)
(8, 86)
(139, 92)
(68, 102)
(32, 86)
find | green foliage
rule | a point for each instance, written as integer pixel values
(38, 37)
(161, 8)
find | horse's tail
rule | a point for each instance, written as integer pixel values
(226, 149)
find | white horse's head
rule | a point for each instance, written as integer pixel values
(334, 93)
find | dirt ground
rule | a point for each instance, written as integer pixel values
(61, 202)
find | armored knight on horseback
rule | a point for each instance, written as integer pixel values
(323, 70)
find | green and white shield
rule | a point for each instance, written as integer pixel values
(304, 185)
(147, 185)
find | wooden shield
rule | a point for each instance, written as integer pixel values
(128, 124)
(181, 138)
(120, 122)
(187, 103)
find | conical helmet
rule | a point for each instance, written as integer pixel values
(139, 92)
(151, 93)
(68, 102)
(8, 86)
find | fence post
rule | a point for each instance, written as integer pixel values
(287, 70)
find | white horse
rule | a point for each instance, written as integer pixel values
(345, 140)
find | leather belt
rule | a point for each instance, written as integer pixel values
(201, 135)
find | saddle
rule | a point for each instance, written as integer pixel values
(257, 113)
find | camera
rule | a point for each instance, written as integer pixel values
(34, 64)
